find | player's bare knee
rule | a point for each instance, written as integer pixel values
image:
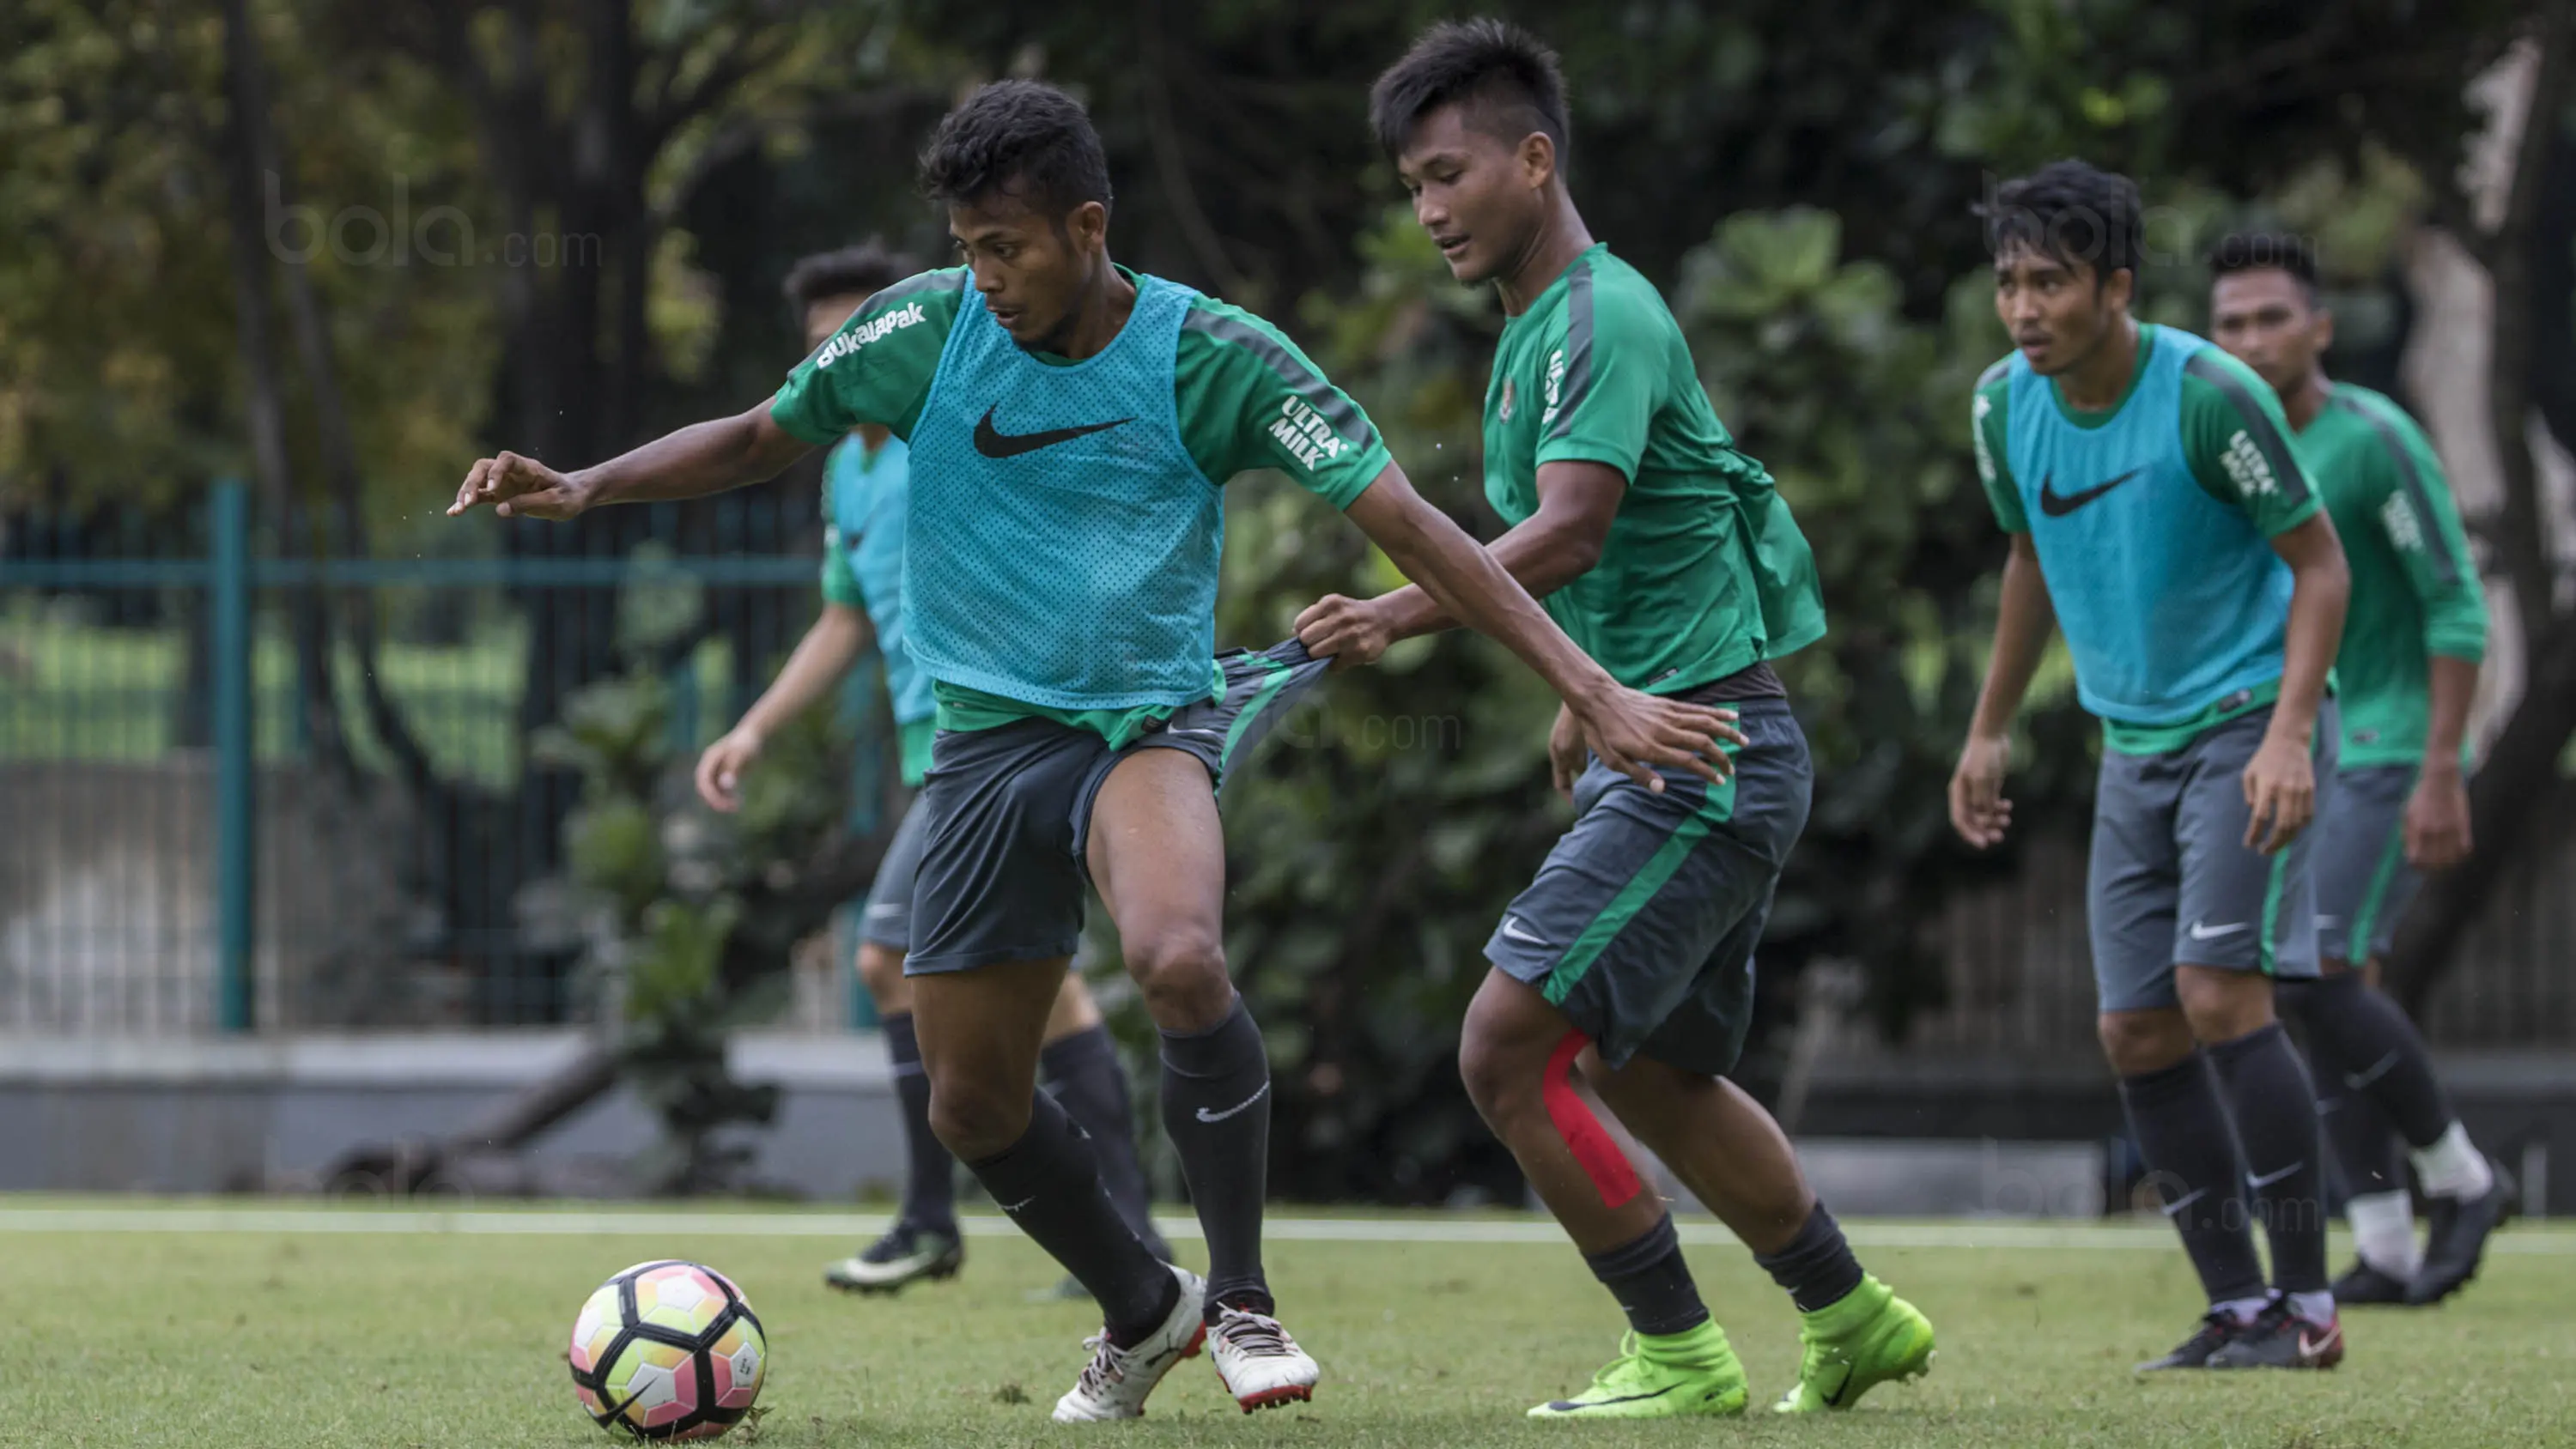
(2223, 1005)
(972, 1120)
(1503, 1078)
(2138, 1042)
(1181, 971)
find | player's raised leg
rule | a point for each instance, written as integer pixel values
(1517, 1055)
(1855, 1332)
(1157, 855)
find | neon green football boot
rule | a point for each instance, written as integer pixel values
(1854, 1345)
(1668, 1376)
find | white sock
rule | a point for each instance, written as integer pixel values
(2314, 1307)
(2383, 1231)
(2453, 1166)
(2243, 1310)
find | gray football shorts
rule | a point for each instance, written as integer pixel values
(887, 918)
(2363, 881)
(2172, 880)
(1642, 923)
(1007, 811)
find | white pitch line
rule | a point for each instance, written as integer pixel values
(521, 1222)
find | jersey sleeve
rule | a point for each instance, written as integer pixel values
(840, 582)
(2422, 524)
(1988, 430)
(878, 367)
(1250, 399)
(2237, 443)
(1605, 380)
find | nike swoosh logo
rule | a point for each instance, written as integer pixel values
(992, 442)
(2058, 505)
(1012, 1207)
(2200, 932)
(1563, 1405)
(1513, 930)
(2269, 1178)
(1205, 1115)
(2378, 1069)
(2174, 1208)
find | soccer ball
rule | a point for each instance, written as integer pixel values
(668, 1350)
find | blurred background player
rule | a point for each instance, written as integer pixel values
(2413, 638)
(866, 484)
(2158, 516)
(1668, 556)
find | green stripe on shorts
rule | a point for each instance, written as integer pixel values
(2272, 907)
(1278, 680)
(2365, 920)
(1641, 888)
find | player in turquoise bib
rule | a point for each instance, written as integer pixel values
(866, 490)
(1667, 554)
(1071, 424)
(2406, 673)
(2160, 520)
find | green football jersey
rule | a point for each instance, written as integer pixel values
(1704, 573)
(2415, 589)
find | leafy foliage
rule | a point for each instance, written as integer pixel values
(668, 891)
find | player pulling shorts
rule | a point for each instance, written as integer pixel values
(1070, 423)
(866, 490)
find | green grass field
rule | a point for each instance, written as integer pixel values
(216, 1325)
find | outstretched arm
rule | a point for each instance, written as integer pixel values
(1577, 503)
(700, 459)
(1629, 731)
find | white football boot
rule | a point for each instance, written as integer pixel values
(1261, 1365)
(1114, 1384)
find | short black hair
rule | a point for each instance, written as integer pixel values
(2258, 251)
(860, 271)
(2072, 211)
(1492, 66)
(1022, 138)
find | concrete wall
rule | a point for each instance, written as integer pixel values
(119, 1114)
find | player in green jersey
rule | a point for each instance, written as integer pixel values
(1071, 422)
(2412, 642)
(866, 486)
(1666, 553)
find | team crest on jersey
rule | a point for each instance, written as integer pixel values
(1505, 411)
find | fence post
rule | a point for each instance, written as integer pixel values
(236, 836)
